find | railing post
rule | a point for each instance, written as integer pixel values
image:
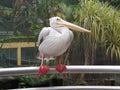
(19, 56)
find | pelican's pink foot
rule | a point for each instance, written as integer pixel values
(60, 68)
(43, 70)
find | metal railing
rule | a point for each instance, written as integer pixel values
(74, 88)
(70, 69)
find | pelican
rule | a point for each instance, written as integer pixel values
(54, 41)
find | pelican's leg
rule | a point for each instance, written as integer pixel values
(43, 69)
(60, 67)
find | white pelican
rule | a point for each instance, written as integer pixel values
(55, 40)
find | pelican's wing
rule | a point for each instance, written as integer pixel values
(43, 34)
(54, 44)
(51, 46)
(71, 36)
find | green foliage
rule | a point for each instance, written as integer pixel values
(113, 41)
(104, 23)
(102, 19)
(19, 39)
(115, 3)
(34, 81)
(5, 11)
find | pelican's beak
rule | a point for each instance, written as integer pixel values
(71, 26)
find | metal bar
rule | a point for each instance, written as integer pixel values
(70, 69)
(74, 88)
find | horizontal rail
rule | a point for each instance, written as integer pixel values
(74, 88)
(70, 69)
(19, 44)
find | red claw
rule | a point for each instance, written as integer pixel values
(60, 68)
(43, 70)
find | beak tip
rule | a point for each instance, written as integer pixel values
(89, 31)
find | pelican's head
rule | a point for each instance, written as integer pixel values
(53, 22)
(57, 22)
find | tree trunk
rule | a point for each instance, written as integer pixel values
(86, 62)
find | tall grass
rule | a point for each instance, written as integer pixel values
(104, 22)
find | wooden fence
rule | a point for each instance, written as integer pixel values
(18, 45)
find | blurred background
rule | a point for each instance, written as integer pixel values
(22, 20)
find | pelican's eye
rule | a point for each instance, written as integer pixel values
(58, 19)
